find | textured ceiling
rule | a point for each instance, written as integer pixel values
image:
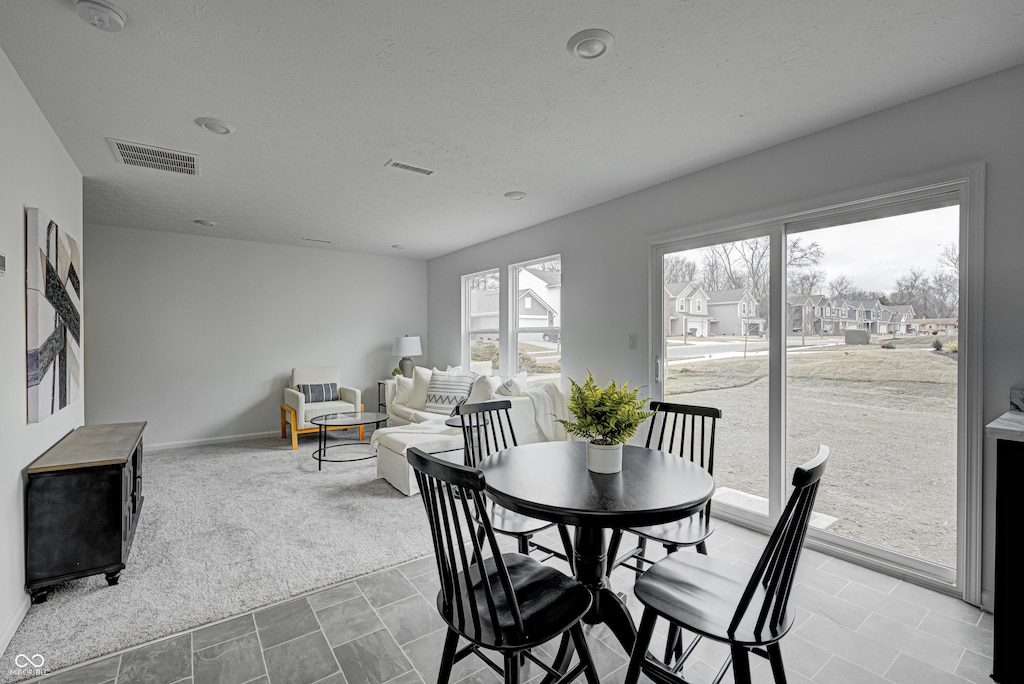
(323, 94)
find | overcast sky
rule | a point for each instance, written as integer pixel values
(874, 253)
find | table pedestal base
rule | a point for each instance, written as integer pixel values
(590, 558)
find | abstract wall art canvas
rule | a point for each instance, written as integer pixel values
(53, 309)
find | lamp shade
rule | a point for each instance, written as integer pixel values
(406, 346)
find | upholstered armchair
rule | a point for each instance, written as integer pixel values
(316, 392)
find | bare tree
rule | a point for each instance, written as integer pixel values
(679, 269)
(945, 292)
(485, 281)
(914, 288)
(950, 257)
(810, 281)
(712, 274)
(800, 255)
(840, 288)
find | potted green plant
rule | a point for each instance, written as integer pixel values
(606, 417)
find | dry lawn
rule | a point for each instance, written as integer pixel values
(888, 415)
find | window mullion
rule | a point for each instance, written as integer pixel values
(777, 374)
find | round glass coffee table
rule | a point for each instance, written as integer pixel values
(343, 420)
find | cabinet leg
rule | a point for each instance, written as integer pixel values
(39, 595)
(113, 577)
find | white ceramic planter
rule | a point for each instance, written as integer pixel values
(603, 458)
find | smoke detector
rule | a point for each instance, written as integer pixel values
(104, 15)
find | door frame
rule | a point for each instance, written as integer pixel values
(968, 181)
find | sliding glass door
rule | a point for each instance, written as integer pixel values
(714, 351)
(839, 327)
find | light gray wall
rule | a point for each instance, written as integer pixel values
(198, 335)
(606, 249)
(35, 171)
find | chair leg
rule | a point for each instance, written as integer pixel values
(613, 551)
(642, 544)
(563, 532)
(643, 641)
(284, 433)
(740, 664)
(583, 651)
(511, 668)
(775, 658)
(673, 643)
(448, 656)
(524, 544)
(291, 416)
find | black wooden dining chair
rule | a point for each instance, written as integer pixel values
(688, 432)
(505, 602)
(487, 428)
(724, 602)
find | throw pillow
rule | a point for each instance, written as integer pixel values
(327, 391)
(514, 386)
(420, 381)
(447, 390)
(403, 390)
(483, 389)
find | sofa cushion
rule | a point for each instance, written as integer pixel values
(447, 390)
(324, 391)
(483, 389)
(431, 442)
(403, 389)
(420, 382)
(322, 408)
(514, 386)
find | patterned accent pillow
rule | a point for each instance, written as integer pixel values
(446, 390)
(513, 387)
(327, 391)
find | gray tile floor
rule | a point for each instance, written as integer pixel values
(852, 626)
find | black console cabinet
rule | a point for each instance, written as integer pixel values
(1008, 430)
(82, 503)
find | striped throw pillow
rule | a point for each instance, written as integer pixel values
(446, 390)
(327, 391)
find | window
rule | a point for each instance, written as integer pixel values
(481, 321)
(697, 301)
(743, 308)
(536, 319)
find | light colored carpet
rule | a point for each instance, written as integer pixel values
(224, 529)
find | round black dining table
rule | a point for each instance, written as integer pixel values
(550, 481)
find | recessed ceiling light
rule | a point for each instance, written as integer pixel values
(204, 222)
(214, 125)
(515, 195)
(106, 16)
(590, 43)
(397, 246)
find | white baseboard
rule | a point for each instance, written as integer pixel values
(214, 440)
(12, 625)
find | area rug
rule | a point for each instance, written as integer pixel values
(225, 529)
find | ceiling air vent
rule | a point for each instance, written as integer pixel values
(408, 167)
(134, 154)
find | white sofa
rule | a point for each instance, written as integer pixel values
(533, 415)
